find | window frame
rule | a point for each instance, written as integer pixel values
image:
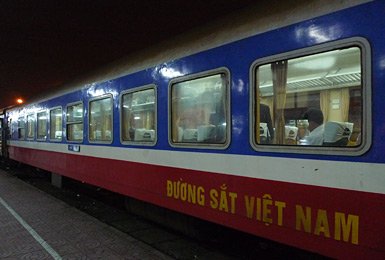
(133, 90)
(37, 126)
(61, 123)
(75, 122)
(366, 128)
(104, 96)
(227, 92)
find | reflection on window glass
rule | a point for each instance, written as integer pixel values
(138, 116)
(21, 128)
(42, 125)
(74, 124)
(313, 100)
(30, 127)
(55, 124)
(199, 109)
(100, 120)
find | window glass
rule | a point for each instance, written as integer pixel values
(100, 120)
(199, 110)
(55, 124)
(74, 124)
(42, 125)
(315, 100)
(30, 127)
(21, 128)
(139, 116)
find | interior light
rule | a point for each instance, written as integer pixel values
(319, 63)
(19, 101)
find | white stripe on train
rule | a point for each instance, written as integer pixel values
(367, 177)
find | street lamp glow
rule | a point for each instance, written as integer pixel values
(19, 101)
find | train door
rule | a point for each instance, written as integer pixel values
(3, 135)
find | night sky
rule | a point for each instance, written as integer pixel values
(44, 44)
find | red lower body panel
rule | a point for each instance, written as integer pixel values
(332, 222)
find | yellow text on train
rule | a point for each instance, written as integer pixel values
(336, 225)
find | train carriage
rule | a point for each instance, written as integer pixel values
(221, 131)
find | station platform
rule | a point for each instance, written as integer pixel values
(35, 225)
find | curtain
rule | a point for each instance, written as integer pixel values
(257, 114)
(279, 71)
(345, 102)
(325, 104)
(175, 118)
(127, 116)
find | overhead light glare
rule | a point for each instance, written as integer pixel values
(19, 101)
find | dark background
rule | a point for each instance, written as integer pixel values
(44, 44)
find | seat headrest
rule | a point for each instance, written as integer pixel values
(335, 131)
(291, 132)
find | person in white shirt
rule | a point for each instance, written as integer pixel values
(316, 127)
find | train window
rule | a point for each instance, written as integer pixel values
(21, 128)
(30, 126)
(138, 116)
(55, 124)
(42, 121)
(200, 110)
(74, 122)
(100, 119)
(314, 100)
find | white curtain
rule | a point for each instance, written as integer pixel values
(325, 104)
(345, 102)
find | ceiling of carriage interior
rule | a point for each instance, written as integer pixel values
(328, 70)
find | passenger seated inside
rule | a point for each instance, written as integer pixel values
(316, 128)
(265, 117)
(336, 134)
